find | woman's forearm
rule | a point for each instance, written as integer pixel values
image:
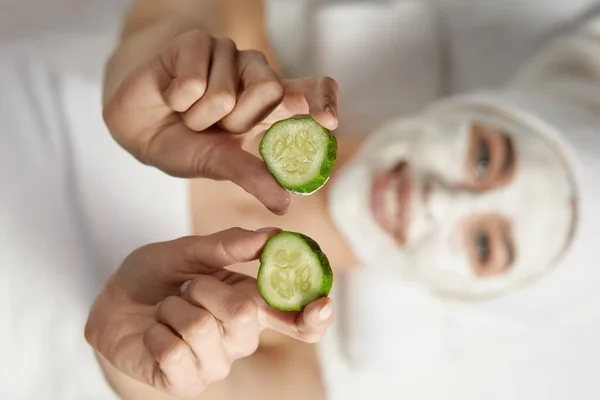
(151, 24)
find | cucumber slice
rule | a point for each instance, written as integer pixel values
(299, 153)
(293, 272)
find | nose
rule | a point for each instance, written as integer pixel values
(446, 201)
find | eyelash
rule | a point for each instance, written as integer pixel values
(482, 162)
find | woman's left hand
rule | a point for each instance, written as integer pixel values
(180, 339)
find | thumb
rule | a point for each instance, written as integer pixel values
(230, 162)
(156, 271)
(309, 325)
(237, 245)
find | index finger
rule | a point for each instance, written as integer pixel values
(261, 93)
(225, 248)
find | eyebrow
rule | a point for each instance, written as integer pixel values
(509, 154)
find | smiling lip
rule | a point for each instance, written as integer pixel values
(390, 201)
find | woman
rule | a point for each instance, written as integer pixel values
(472, 198)
(472, 204)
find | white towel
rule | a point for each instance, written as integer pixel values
(540, 341)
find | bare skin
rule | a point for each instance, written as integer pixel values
(281, 365)
(218, 205)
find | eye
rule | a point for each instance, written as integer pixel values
(482, 246)
(482, 161)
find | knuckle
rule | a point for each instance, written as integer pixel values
(143, 150)
(330, 82)
(225, 371)
(251, 346)
(236, 231)
(255, 55)
(225, 253)
(165, 354)
(269, 94)
(235, 126)
(272, 90)
(224, 101)
(245, 350)
(317, 338)
(138, 255)
(108, 113)
(197, 120)
(191, 121)
(167, 304)
(122, 97)
(196, 285)
(311, 337)
(171, 354)
(203, 325)
(190, 253)
(243, 310)
(193, 36)
(117, 122)
(90, 332)
(194, 84)
(227, 43)
(220, 371)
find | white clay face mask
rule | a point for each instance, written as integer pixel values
(412, 202)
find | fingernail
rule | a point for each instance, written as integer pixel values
(325, 312)
(331, 111)
(184, 286)
(269, 229)
(157, 305)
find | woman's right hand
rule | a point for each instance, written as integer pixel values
(174, 318)
(184, 110)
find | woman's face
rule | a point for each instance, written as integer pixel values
(470, 204)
